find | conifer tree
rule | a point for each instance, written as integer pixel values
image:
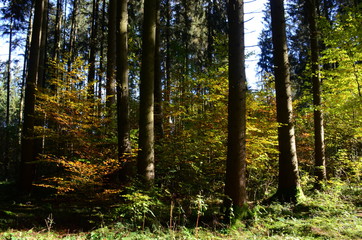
(288, 182)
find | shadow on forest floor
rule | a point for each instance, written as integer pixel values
(42, 209)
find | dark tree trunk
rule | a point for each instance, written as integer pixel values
(58, 28)
(123, 123)
(319, 154)
(73, 35)
(27, 170)
(235, 185)
(288, 182)
(146, 158)
(92, 51)
(111, 56)
(43, 47)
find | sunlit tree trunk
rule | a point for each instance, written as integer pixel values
(27, 170)
(146, 158)
(288, 182)
(319, 154)
(235, 185)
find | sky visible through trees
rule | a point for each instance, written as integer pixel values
(253, 26)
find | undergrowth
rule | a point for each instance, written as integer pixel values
(334, 213)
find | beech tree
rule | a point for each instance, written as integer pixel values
(288, 182)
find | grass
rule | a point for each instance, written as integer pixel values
(332, 214)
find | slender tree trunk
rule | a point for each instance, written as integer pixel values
(43, 47)
(319, 153)
(288, 182)
(73, 35)
(146, 158)
(124, 145)
(101, 53)
(58, 27)
(111, 56)
(158, 82)
(92, 51)
(167, 94)
(27, 171)
(235, 184)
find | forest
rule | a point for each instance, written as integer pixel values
(128, 119)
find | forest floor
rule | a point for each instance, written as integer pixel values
(334, 214)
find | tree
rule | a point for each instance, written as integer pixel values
(93, 49)
(111, 54)
(288, 182)
(27, 171)
(122, 80)
(319, 154)
(146, 158)
(235, 184)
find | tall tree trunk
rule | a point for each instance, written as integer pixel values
(123, 123)
(235, 184)
(92, 51)
(73, 35)
(319, 153)
(27, 170)
(288, 182)
(158, 82)
(111, 56)
(58, 27)
(101, 53)
(168, 54)
(146, 158)
(43, 47)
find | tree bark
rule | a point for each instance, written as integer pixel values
(92, 51)
(27, 167)
(319, 153)
(58, 27)
(146, 158)
(235, 185)
(124, 145)
(73, 35)
(288, 182)
(111, 56)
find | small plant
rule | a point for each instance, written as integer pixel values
(49, 222)
(200, 207)
(139, 206)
